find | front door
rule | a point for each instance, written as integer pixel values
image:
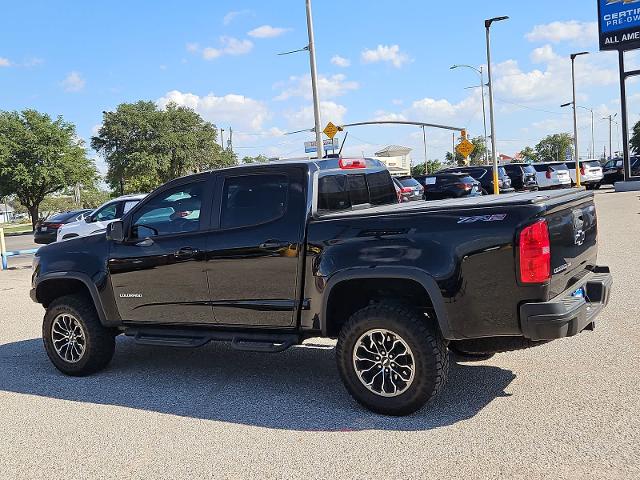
(158, 273)
(254, 254)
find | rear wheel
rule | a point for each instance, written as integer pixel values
(391, 359)
(76, 342)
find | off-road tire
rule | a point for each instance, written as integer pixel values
(99, 343)
(427, 346)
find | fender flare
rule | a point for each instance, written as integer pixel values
(404, 273)
(82, 277)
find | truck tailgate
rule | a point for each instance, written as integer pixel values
(573, 233)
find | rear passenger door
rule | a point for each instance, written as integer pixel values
(254, 253)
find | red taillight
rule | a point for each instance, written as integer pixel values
(464, 186)
(582, 170)
(406, 190)
(53, 225)
(535, 253)
(351, 163)
(549, 174)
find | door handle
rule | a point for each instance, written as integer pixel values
(273, 245)
(186, 253)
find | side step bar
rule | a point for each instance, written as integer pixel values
(246, 341)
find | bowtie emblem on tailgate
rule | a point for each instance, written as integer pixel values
(578, 228)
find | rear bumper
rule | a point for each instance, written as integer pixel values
(566, 315)
(43, 238)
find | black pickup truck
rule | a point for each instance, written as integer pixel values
(267, 256)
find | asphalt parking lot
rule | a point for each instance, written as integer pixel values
(569, 409)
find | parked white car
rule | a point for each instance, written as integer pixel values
(552, 175)
(590, 172)
(98, 220)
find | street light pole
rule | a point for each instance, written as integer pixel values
(424, 141)
(314, 82)
(487, 26)
(575, 117)
(484, 114)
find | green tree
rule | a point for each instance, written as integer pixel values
(145, 146)
(554, 147)
(259, 159)
(40, 156)
(432, 167)
(529, 154)
(635, 139)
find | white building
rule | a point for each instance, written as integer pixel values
(397, 159)
(6, 213)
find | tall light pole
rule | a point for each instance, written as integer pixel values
(314, 82)
(575, 116)
(424, 142)
(592, 151)
(487, 26)
(484, 115)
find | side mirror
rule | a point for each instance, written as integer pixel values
(88, 219)
(115, 231)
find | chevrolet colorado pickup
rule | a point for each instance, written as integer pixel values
(266, 256)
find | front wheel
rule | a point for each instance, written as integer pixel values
(391, 359)
(76, 342)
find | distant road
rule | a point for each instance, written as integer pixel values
(20, 242)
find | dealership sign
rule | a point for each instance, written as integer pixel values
(619, 24)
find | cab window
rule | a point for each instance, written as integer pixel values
(171, 212)
(106, 213)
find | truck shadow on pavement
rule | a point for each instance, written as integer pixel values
(299, 389)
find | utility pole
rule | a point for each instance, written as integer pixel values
(487, 26)
(575, 116)
(222, 138)
(314, 82)
(230, 144)
(424, 141)
(610, 119)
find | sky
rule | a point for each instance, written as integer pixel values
(376, 60)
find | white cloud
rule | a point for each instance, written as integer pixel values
(210, 53)
(578, 33)
(383, 116)
(329, 111)
(543, 54)
(267, 31)
(552, 83)
(386, 53)
(228, 46)
(233, 46)
(235, 110)
(4, 62)
(73, 82)
(231, 16)
(328, 87)
(339, 61)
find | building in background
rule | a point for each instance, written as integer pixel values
(6, 213)
(397, 159)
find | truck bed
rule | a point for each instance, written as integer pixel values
(510, 199)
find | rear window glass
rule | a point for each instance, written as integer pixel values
(571, 165)
(61, 217)
(560, 166)
(529, 169)
(409, 182)
(358, 192)
(541, 167)
(381, 190)
(512, 169)
(592, 164)
(341, 192)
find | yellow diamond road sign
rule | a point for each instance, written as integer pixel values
(465, 148)
(330, 130)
